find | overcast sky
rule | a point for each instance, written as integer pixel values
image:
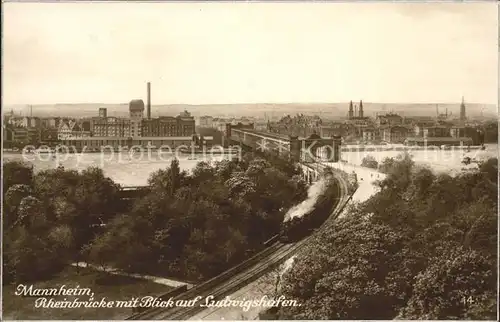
(249, 52)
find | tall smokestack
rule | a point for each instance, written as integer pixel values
(149, 100)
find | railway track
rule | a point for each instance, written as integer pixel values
(240, 275)
(158, 312)
(343, 199)
(180, 313)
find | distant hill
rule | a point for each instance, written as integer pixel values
(325, 110)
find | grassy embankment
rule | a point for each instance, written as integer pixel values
(111, 287)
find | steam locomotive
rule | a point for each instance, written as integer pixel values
(298, 228)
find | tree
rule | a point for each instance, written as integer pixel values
(386, 165)
(12, 200)
(15, 172)
(240, 184)
(31, 215)
(202, 173)
(30, 257)
(398, 172)
(369, 162)
(168, 180)
(421, 181)
(96, 194)
(60, 239)
(78, 200)
(132, 231)
(426, 248)
(55, 184)
(457, 281)
(191, 225)
(332, 284)
(225, 168)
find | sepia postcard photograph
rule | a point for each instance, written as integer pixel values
(250, 160)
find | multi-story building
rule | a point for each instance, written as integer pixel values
(169, 126)
(389, 119)
(185, 124)
(103, 112)
(206, 121)
(334, 128)
(96, 143)
(111, 127)
(436, 131)
(16, 135)
(161, 126)
(52, 122)
(419, 126)
(71, 129)
(15, 121)
(136, 113)
(25, 121)
(64, 131)
(49, 136)
(219, 123)
(394, 134)
(86, 125)
(19, 136)
(476, 134)
(369, 134)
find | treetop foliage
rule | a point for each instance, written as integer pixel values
(423, 247)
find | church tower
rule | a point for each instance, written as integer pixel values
(361, 108)
(462, 110)
(351, 111)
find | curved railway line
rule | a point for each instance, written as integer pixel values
(240, 275)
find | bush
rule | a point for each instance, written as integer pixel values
(369, 162)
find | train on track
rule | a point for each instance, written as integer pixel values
(298, 228)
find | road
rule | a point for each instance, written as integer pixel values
(154, 279)
(366, 179)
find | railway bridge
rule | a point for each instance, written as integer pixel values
(298, 149)
(306, 151)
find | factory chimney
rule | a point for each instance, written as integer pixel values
(149, 101)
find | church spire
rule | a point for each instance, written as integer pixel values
(361, 108)
(351, 111)
(462, 110)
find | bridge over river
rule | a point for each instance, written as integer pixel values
(298, 149)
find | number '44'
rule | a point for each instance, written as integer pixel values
(467, 300)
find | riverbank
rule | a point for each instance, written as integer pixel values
(123, 168)
(402, 148)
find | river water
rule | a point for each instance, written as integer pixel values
(129, 169)
(125, 168)
(449, 161)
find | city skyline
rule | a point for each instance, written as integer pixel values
(250, 53)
